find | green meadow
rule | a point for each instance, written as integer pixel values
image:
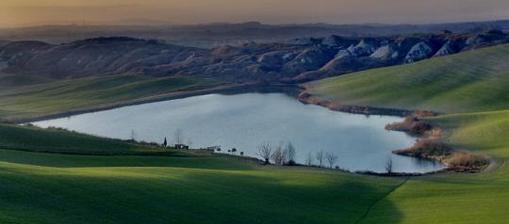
(21, 99)
(55, 176)
(471, 90)
(473, 81)
(171, 187)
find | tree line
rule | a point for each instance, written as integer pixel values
(286, 156)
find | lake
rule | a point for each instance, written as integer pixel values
(244, 121)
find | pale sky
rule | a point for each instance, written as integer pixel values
(42, 12)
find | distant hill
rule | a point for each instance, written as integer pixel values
(217, 34)
(299, 60)
(113, 55)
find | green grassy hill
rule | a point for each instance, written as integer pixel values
(473, 89)
(173, 188)
(181, 187)
(61, 141)
(468, 82)
(459, 198)
(53, 97)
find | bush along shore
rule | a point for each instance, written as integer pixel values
(430, 145)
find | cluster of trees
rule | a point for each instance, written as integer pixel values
(280, 155)
(233, 151)
(286, 155)
(322, 159)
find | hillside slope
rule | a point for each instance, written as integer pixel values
(298, 60)
(475, 82)
(459, 198)
(57, 97)
(166, 188)
(468, 82)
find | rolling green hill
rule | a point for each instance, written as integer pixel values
(24, 101)
(458, 198)
(173, 187)
(469, 82)
(473, 89)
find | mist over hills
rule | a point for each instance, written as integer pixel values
(218, 34)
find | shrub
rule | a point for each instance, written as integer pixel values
(425, 148)
(412, 125)
(461, 159)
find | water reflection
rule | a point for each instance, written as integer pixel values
(244, 121)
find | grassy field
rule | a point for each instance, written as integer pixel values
(54, 140)
(176, 187)
(472, 89)
(173, 188)
(469, 82)
(461, 198)
(22, 100)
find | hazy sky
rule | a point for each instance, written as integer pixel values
(37, 12)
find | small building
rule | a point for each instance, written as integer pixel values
(181, 146)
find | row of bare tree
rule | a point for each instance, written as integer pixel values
(286, 156)
(280, 155)
(322, 158)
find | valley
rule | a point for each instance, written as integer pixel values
(61, 176)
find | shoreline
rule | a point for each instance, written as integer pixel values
(297, 91)
(229, 88)
(307, 98)
(149, 99)
(294, 90)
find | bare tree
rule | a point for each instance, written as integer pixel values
(265, 152)
(389, 166)
(179, 136)
(284, 156)
(309, 159)
(319, 158)
(278, 156)
(291, 153)
(189, 142)
(331, 159)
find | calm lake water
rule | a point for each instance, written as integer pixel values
(244, 121)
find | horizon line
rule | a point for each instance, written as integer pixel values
(169, 23)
